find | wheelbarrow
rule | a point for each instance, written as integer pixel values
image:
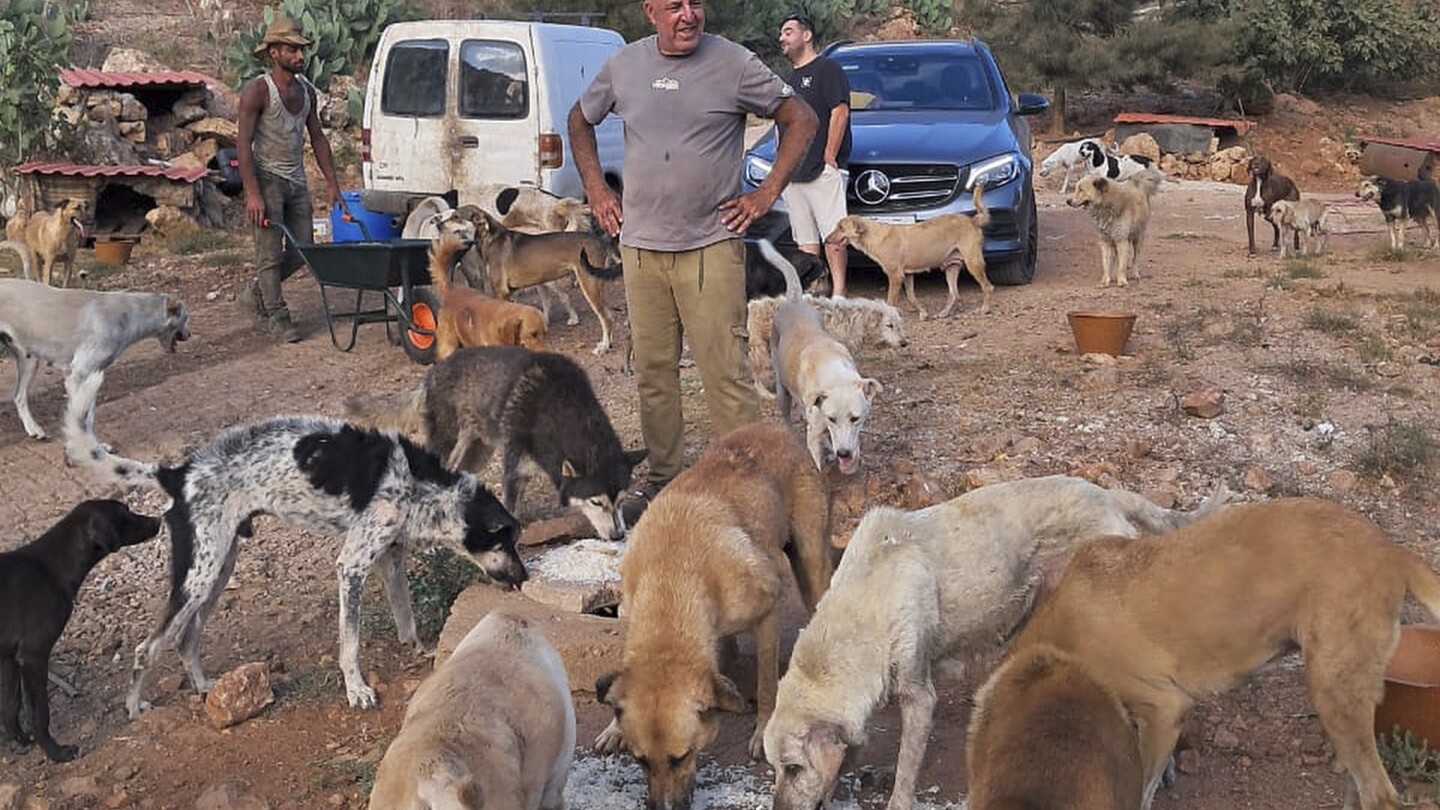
(398, 269)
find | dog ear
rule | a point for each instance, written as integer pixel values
(825, 748)
(1101, 184)
(725, 696)
(819, 400)
(510, 332)
(872, 387)
(567, 469)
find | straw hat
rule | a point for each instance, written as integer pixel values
(284, 31)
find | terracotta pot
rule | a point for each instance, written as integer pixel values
(1412, 686)
(113, 251)
(1101, 332)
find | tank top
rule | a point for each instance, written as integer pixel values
(279, 141)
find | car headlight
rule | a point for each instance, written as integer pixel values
(994, 172)
(756, 169)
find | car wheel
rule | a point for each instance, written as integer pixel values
(1021, 269)
(421, 311)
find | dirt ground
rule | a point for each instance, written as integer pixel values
(1327, 367)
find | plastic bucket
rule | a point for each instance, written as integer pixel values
(381, 227)
(1101, 332)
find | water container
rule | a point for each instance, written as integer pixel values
(381, 227)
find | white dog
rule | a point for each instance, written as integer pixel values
(923, 592)
(855, 322)
(493, 727)
(83, 332)
(1067, 156)
(816, 369)
(1306, 217)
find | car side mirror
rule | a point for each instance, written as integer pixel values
(1033, 104)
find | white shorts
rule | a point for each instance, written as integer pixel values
(816, 207)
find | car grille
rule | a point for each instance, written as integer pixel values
(911, 187)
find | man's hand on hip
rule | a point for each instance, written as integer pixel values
(741, 212)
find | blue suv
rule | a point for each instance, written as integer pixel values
(929, 118)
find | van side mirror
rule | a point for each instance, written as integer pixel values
(1033, 104)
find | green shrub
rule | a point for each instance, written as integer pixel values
(34, 38)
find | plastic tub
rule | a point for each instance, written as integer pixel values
(381, 227)
(1098, 332)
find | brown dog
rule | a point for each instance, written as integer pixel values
(1266, 187)
(515, 260)
(705, 563)
(51, 236)
(1163, 621)
(1042, 705)
(470, 318)
(946, 241)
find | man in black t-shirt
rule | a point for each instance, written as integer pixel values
(816, 194)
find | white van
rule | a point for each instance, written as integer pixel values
(458, 105)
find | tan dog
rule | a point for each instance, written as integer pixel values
(855, 322)
(1307, 218)
(819, 372)
(493, 727)
(51, 236)
(1042, 706)
(1121, 210)
(946, 241)
(470, 318)
(515, 260)
(706, 562)
(1165, 621)
(916, 597)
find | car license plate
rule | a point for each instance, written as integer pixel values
(894, 219)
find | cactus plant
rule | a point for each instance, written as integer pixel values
(342, 34)
(34, 38)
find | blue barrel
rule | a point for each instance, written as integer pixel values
(382, 227)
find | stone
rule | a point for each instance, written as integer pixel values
(572, 526)
(920, 490)
(239, 695)
(1235, 154)
(1141, 143)
(224, 131)
(204, 150)
(173, 142)
(572, 597)
(130, 108)
(1240, 174)
(1256, 480)
(1225, 739)
(187, 160)
(1286, 102)
(79, 787)
(1344, 480)
(188, 113)
(117, 799)
(1206, 402)
(133, 131)
(170, 222)
(1221, 170)
(1188, 761)
(234, 794)
(131, 60)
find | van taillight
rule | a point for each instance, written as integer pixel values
(365, 145)
(552, 151)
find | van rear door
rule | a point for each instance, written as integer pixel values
(410, 116)
(497, 116)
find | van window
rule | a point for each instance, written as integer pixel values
(493, 80)
(415, 78)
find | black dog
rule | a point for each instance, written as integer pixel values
(761, 280)
(1404, 200)
(38, 583)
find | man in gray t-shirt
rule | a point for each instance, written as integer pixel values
(684, 95)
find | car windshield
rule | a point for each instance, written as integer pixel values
(920, 81)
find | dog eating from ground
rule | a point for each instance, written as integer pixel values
(1113, 167)
(51, 236)
(386, 496)
(1165, 621)
(1043, 706)
(817, 371)
(1308, 219)
(855, 322)
(1402, 201)
(514, 260)
(1121, 210)
(1266, 187)
(492, 727)
(919, 594)
(705, 563)
(83, 332)
(1066, 156)
(38, 586)
(529, 405)
(947, 241)
(761, 281)
(471, 318)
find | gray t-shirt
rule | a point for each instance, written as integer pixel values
(684, 134)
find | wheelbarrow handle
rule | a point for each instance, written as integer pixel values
(349, 217)
(272, 223)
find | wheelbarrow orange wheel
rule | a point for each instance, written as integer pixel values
(421, 312)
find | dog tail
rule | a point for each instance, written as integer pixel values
(982, 216)
(404, 414)
(792, 276)
(443, 253)
(1155, 519)
(1149, 181)
(608, 272)
(23, 252)
(1422, 582)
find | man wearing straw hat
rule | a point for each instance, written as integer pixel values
(276, 109)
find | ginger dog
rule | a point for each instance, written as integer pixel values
(946, 241)
(492, 727)
(705, 563)
(1042, 705)
(51, 236)
(1164, 621)
(1121, 210)
(470, 318)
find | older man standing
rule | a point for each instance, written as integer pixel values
(684, 95)
(276, 110)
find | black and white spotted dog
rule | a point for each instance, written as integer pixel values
(1401, 201)
(384, 495)
(1115, 167)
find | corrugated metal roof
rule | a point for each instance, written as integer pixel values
(80, 77)
(1423, 145)
(1240, 127)
(177, 173)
